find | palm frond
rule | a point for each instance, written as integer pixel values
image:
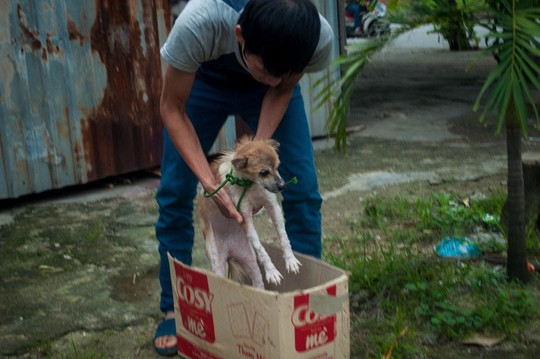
(515, 46)
(350, 65)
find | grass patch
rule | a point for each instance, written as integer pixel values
(403, 295)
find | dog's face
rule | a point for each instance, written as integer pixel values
(258, 161)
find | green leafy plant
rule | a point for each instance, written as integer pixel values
(398, 282)
(514, 35)
(514, 32)
(454, 20)
(514, 41)
(339, 93)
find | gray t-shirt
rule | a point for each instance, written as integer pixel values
(204, 31)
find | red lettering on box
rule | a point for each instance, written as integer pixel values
(312, 330)
(195, 303)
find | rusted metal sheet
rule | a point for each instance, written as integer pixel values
(79, 91)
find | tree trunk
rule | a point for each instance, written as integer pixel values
(531, 183)
(457, 34)
(516, 265)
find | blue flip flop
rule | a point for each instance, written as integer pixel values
(166, 327)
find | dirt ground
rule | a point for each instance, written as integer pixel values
(79, 266)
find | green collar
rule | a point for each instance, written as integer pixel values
(242, 182)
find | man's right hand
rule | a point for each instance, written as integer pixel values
(177, 86)
(225, 204)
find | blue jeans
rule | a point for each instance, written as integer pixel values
(208, 107)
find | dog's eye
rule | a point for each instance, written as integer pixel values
(264, 173)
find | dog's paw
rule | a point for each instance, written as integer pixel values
(292, 264)
(273, 276)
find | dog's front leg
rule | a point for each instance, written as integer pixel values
(291, 263)
(272, 274)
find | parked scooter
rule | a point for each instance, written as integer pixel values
(372, 23)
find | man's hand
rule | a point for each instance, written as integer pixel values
(225, 204)
(177, 86)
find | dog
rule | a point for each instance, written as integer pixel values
(250, 176)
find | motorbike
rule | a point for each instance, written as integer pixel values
(372, 23)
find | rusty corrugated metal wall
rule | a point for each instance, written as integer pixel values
(79, 90)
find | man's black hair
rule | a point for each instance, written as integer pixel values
(284, 33)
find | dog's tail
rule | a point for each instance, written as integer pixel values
(237, 273)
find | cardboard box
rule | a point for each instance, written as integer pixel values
(306, 317)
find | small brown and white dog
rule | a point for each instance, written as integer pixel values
(250, 172)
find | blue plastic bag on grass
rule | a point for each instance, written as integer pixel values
(461, 247)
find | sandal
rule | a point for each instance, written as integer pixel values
(165, 328)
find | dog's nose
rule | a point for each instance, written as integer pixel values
(280, 184)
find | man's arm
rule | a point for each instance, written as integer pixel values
(177, 87)
(275, 103)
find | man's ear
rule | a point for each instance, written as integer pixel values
(239, 162)
(238, 33)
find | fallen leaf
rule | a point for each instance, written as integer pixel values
(483, 340)
(46, 267)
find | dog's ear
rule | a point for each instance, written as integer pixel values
(274, 144)
(239, 162)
